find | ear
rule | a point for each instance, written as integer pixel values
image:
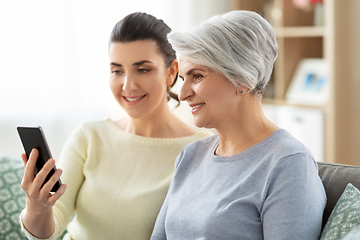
(242, 90)
(173, 71)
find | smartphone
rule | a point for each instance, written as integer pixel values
(34, 137)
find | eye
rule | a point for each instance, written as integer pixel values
(116, 72)
(143, 70)
(197, 77)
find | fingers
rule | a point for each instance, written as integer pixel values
(33, 186)
(24, 158)
(29, 167)
(51, 182)
(58, 193)
(45, 190)
(43, 173)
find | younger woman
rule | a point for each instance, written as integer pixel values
(116, 173)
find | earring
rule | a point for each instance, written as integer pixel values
(240, 91)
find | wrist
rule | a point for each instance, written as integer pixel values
(36, 209)
(38, 225)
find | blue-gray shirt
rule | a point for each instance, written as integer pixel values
(270, 191)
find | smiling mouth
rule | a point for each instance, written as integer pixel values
(133, 99)
(198, 105)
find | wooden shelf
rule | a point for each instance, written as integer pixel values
(336, 42)
(298, 39)
(293, 32)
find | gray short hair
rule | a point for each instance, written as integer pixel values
(241, 45)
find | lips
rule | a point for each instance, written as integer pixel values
(133, 99)
(196, 107)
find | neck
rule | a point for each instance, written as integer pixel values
(243, 129)
(149, 126)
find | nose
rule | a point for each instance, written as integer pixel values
(129, 83)
(186, 91)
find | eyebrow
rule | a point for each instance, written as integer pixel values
(190, 71)
(141, 62)
(135, 64)
(115, 64)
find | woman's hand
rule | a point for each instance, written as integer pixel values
(38, 217)
(38, 196)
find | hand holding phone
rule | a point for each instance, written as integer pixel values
(34, 137)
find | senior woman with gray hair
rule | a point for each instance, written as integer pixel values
(252, 180)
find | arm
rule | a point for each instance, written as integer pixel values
(295, 201)
(59, 213)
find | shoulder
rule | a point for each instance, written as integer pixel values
(96, 127)
(281, 152)
(284, 145)
(91, 129)
(179, 141)
(98, 124)
(285, 153)
(196, 150)
(205, 141)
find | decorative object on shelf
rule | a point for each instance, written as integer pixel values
(310, 83)
(309, 5)
(306, 5)
(318, 13)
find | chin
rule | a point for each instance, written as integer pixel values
(201, 124)
(135, 114)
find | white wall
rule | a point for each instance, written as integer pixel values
(54, 61)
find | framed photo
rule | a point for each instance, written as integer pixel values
(310, 84)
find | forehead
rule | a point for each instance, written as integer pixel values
(122, 52)
(186, 65)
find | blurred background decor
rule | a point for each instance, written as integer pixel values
(54, 66)
(336, 41)
(54, 61)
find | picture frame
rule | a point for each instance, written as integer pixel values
(310, 83)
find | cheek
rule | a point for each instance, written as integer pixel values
(115, 85)
(156, 88)
(112, 84)
(155, 83)
(206, 92)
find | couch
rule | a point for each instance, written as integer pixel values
(12, 198)
(341, 218)
(335, 178)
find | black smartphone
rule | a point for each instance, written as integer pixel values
(34, 137)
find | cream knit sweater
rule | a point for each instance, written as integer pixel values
(116, 182)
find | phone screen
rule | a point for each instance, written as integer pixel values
(34, 137)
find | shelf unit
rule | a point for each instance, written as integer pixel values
(299, 38)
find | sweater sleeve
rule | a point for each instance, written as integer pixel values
(72, 160)
(295, 200)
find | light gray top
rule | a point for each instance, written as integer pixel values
(272, 190)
